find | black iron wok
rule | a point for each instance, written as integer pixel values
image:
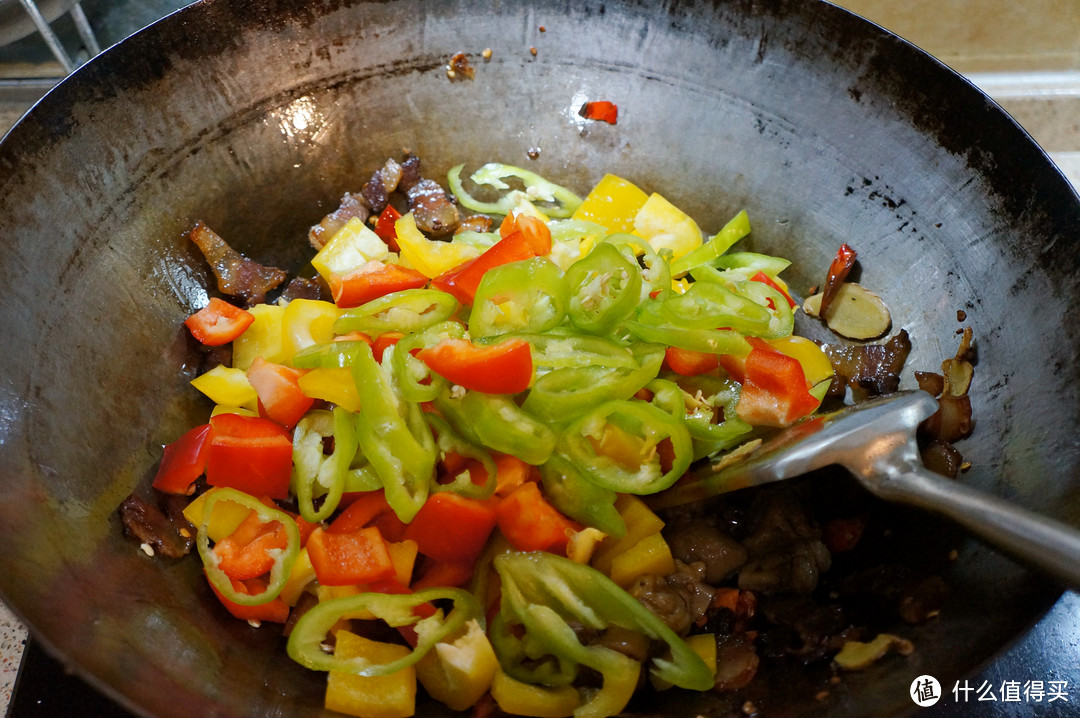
(256, 115)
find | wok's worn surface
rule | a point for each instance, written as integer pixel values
(256, 115)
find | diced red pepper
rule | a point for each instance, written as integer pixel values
(530, 523)
(368, 508)
(250, 454)
(244, 554)
(280, 395)
(452, 528)
(183, 462)
(774, 391)
(523, 237)
(435, 574)
(382, 342)
(384, 227)
(349, 559)
(766, 279)
(371, 281)
(600, 110)
(503, 368)
(510, 473)
(218, 322)
(688, 362)
(274, 611)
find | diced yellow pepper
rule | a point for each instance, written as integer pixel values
(389, 696)
(612, 203)
(262, 338)
(650, 555)
(459, 672)
(229, 409)
(524, 699)
(403, 557)
(666, 226)
(333, 384)
(703, 644)
(640, 522)
(429, 257)
(619, 686)
(582, 544)
(351, 247)
(301, 576)
(816, 365)
(228, 386)
(329, 593)
(307, 322)
(226, 517)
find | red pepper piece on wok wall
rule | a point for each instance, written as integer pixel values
(600, 110)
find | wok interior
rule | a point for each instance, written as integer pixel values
(256, 116)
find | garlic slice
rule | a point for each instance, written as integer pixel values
(855, 312)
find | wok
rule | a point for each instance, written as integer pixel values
(256, 115)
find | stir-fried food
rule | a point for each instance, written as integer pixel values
(426, 461)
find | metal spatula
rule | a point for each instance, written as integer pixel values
(875, 441)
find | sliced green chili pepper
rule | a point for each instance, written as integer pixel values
(732, 232)
(634, 465)
(557, 201)
(560, 395)
(495, 421)
(309, 633)
(394, 437)
(315, 474)
(283, 561)
(707, 305)
(656, 273)
(544, 593)
(605, 288)
(555, 350)
(448, 440)
(651, 327)
(409, 310)
(752, 263)
(697, 401)
(331, 355)
(414, 379)
(529, 295)
(781, 317)
(580, 499)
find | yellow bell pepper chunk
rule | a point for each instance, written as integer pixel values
(389, 696)
(650, 555)
(335, 385)
(582, 544)
(352, 246)
(524, 699)
(301, 576)
(403, 557)
(459, 672)
(307, 322)
(640, 522)
(226, 517)
(665, 226)
(262, 338)
(229, 409)
(612, 203)
(816, 365)
(429, 257)
(228, 386)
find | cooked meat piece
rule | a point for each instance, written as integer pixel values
(692, 541)
(736, 662)
(302, 288)
(434, 210)
(627, 642)
(804, 628)
(236, 275)
(870, 369)
(690, 579)
(941, 457)
(667, 602)
(475, 223)
(952, 420)
(410, 172)
(780, 519)
(384, 181)
(167, 532)
(352, 205)
(795, 568)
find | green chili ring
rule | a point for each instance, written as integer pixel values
(408, 310)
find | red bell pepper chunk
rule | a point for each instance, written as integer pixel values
(371, 281)
(600, 110)
(766, 279)
(274, 611)
(244, 554)
(688, 362)
(436, 574)
(774, 391)
(530, 523)
(383, 342)
(280, 396)
(386, 229)
(523, 237)
(452, 528)
(503, 368)
(250, 454)
(349, 559)
(183, 461)
(368, 508)
(218, 322)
